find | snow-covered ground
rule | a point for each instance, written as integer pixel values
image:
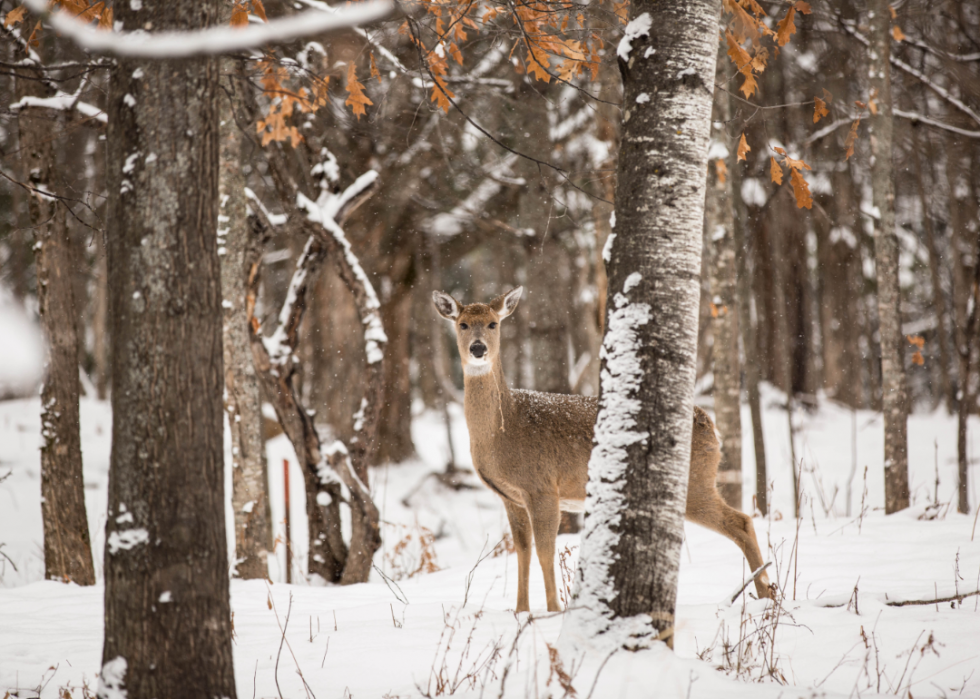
(452, 631)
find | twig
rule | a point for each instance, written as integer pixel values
(914, 602)
(759, 571)
(595, 680)
(396, 591)
(282, 628)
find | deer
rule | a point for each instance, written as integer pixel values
(532, 449)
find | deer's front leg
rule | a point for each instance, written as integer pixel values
(520, 529)
(545, 518)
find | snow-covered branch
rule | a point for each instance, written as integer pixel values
(452, 223)
(912, 116)
(916, 73)
(212, 41)
(62, 101)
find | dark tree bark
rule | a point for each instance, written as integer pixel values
(748, 330)
(67, 546)
(249, 500)
(726, 369)
(894, 403)
(167, 613)
(638, 472)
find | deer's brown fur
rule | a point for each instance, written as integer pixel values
(533, 449)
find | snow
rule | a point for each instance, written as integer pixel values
(21, 362)
(639, 26)
(61, 101)
(418, 631)
(127, 539)
(216, 40)
(112, 679)
(642, 98)
(621, 377)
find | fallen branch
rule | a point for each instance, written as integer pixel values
(748, 582)
(926, 602)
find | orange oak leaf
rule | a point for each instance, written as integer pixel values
(356, 100)
(801, 190)
(375, 73)
(259, 9)
(743, 148)
(892, 11)
(775, 172)
(803, 7)
(14, 16)
(851, 137)
(105, 21)
(740, 57)
(794, 163)
(721, 171)
(897, 33)
(239, 15)
(33, 39)
(916, 340)
(786, 27)
(819, 109)
(917, 358)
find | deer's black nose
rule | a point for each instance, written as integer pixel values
(478, 349)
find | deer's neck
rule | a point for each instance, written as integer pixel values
(486, 402)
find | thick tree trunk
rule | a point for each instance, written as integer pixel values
(167, 613)
(67, 546)
(249, 500)
(639, 467)
(894, 404)
(725, 365)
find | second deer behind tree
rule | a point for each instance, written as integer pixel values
(532, 449)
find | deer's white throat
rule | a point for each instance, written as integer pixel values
(476, 368)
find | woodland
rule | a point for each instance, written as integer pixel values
(226, 220)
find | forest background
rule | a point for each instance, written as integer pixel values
(495, 153)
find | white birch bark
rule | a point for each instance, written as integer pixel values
(627, 577)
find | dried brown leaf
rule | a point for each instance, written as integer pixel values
(851, 138)
(819, 109)
(775, 171)
(801, 190)
(743, 148)
(786, 27)
(14, 16)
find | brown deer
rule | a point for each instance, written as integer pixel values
(532, 449)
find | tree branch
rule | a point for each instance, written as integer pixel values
(212, 41)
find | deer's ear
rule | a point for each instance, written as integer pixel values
(505, 305)
(446, 305)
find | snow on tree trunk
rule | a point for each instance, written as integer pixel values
(627, 576)
(893, 400)
(167, 614)
(67, 547)
(720, 214)
(243, 406)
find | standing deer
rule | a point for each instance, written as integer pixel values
(532, 449)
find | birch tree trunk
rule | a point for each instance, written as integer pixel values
(242, 403)
(894, 405)
(167, 613)
(67, 546)
(627, 575)
(724, 312)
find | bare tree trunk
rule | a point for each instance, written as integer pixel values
(249, 500)
(747, 326)
(67, 546)
(894, 404)
(167, 613)
(639, 467)
(724, 312)
(100, 322)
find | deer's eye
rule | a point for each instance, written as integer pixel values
(463, 326)
(492, 326)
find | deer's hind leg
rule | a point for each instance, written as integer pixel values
(709, 510)
(520, 529)
(545, 518)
